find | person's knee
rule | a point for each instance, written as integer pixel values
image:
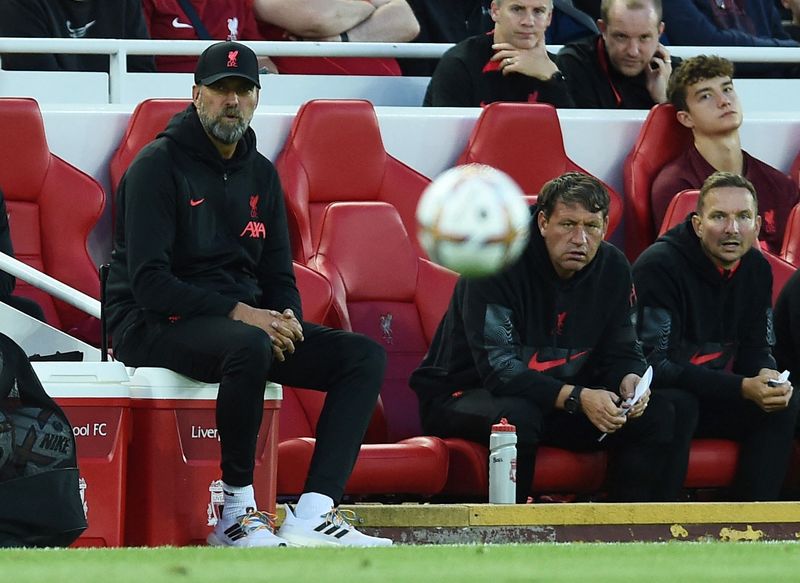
(685, 411)
(365, 354)
(250, 352)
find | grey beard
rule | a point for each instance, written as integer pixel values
(225, 133)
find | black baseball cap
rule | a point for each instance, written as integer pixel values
(226, 59)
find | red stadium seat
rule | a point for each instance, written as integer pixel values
(790, 251)
(52, 209)
(794, 172)
(334, 152)
(148, 119)
(415, 466)
(661, 139)
(524, 140)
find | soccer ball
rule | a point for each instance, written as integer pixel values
(473, 219)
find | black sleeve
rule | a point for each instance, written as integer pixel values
(579, 76)
(557, 92)
(492, 329)
(21, 18)
(149, 195)
(660, 326)
(450, 85)
(7, 281)
(137, 28)
(757, 336)
(619, 353)
(275, 272)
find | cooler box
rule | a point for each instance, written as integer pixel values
(173, 489)
(95, 398)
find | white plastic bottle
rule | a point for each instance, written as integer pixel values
(503, 463)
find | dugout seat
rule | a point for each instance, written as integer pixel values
(790, 250)
(415, 466)
(794, 172)
(661, 139)
(148, 119)
(334, 152)
(524, 140)
(52, 208)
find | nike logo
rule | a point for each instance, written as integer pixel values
(544, 365)
(178, 24)
(701, 359)
(197, 202)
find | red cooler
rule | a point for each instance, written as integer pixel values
(95, 397)
(173, 489)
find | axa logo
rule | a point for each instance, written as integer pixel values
(255, 230)
(233, 59)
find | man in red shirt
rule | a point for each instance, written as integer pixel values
(702, 91)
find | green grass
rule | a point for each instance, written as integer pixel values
(579, 562)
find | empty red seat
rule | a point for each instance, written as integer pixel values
(334, 152)
(414, 466)
(52, 209)
(661, 139)
(524, 140)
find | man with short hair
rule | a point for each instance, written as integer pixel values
(705, 322)
(509, 64)
(702, 91)
(549, 343)
(201, 282)
(625, 66)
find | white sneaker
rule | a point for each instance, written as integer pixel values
(254, 529)
(333, 528)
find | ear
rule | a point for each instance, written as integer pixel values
(685, 119)
(758, 227)
(195, 94)
(541, 221)
(697, 225)
(493, 10)
(660, 28)
(602, 26)
(605, 226)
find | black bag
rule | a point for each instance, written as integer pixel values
(40, 502)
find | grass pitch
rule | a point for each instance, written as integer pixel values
(579, 562)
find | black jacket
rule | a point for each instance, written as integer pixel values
(595, 84)
(70, 19)
(787, 327)
(527, 332)
(195, 233)
(465, 77)
(702, 330)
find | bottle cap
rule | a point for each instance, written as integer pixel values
(503, 426)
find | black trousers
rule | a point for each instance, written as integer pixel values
(765, 441)
(637, 451)
(348, 367)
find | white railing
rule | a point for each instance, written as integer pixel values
(118, 50)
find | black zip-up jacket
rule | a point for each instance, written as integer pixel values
(69, 19)
(196, 233)
(595, 84)
(526, 332)
(466, 77)
(703, 330)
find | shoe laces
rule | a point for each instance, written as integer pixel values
(257, 520)
(341, 517)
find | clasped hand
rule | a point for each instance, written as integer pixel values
(283, 328)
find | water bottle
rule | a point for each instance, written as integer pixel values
(503, 463)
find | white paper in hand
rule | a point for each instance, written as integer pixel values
(641, 388)
(784, 376)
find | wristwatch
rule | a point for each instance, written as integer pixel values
(573, 403)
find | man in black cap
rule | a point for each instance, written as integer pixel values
(202, 283)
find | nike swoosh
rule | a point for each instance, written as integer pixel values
(197, 202)
(700, 359)
(178, 24)
(543, 365)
